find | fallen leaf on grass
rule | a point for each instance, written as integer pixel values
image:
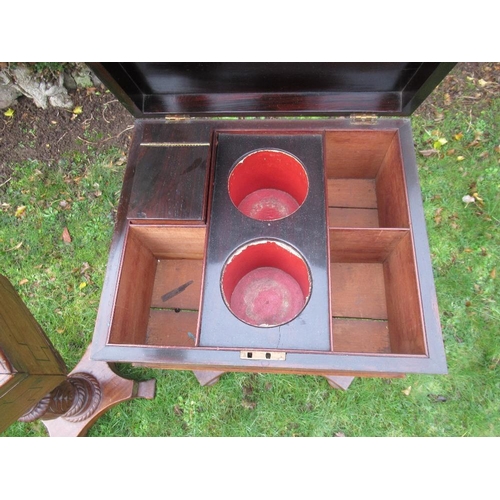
(429, 152)
(493, 273)
(440, 142)
(23, 281)
(20, 211)
(248, 405)
(468, 199)
(16, 247)
(122, 160)
(82, 285)
(460, 158)
(66, 237)
(339, 435)
(437, 216)
(495, 363)
(407, 391)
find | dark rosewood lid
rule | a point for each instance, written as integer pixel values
(270, 89)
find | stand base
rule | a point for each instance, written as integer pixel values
(339, 382)
(114, 390)
(207, 378)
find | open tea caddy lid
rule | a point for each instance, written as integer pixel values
(250, 89)
(175, 295)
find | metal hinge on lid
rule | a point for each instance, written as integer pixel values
(176, 118)
(364, 119)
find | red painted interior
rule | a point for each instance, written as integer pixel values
(265, 170)
(267, 256)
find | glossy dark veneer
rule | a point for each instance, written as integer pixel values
(361, 228)
(239, 89)
(305, 230)
(384, 319)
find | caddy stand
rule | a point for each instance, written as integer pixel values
(34, 383)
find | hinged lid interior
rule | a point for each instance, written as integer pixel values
(251, 89)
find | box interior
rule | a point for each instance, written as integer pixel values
(375, 300)
(158, 303)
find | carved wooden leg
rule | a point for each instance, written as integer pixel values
(111, 389)
(207, 378)
(339, 382)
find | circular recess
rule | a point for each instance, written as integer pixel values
(266, 283)
(268, 184)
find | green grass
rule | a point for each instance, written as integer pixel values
(61, 284)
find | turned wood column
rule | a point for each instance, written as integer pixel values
(34, 380)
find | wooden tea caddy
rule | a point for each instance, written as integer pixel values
(371, 307)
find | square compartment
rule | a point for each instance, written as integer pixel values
(366, 185)
(159, 292)
(374, 293)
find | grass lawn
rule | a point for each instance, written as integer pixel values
(458, 154)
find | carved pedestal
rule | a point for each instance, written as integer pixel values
(34, 383)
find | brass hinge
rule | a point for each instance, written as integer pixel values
(176, 118)
(364, 119)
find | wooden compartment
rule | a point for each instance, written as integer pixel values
(379, 314)
(160, 287)
(366, 186)
(375, 294)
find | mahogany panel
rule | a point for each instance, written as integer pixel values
(170, 183)
(170, 328)
(363, 245)
(171, 172)
(360, 336)
(177, 284)
(239, 89)
(356, 154)
(360, 244)
(270, 77)
(147, 273)
(430, 309)
(391, 189)
(350, 295)
(240, 104)
(352, 193)
(353, 217)
(185, 132)
(403, 303)
(134, 293)
(172, 242)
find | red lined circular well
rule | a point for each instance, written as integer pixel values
(268, 184)
(266, 283)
